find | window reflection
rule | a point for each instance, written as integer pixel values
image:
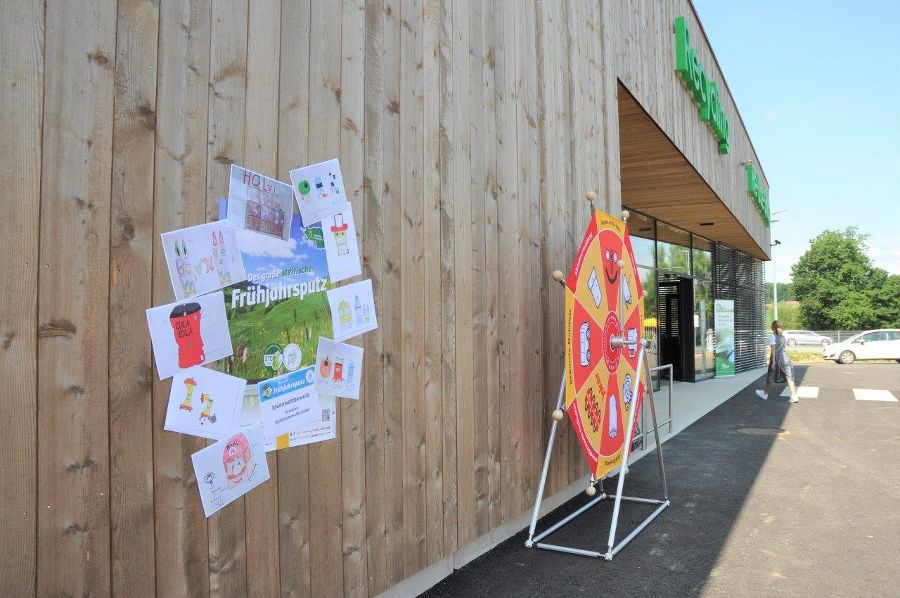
(673, 249)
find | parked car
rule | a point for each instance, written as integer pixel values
(806, 337)
(871, 344)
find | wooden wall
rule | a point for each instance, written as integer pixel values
(468, 132)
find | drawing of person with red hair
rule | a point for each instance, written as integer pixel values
(237, 459)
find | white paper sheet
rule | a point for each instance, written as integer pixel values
(323, 428)
(202, 259)
(288, 403)
(260, 204)
(204, 402)
(338, 368)
(341, 249)
(230, 468)
(352, 310)
(188, 333)
(319, 190)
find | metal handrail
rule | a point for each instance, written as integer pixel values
(658, 368)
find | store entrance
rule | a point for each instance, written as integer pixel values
(675, 309)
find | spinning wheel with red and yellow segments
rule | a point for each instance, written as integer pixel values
(604, 299)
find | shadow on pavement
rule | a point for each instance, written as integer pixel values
(710, 466)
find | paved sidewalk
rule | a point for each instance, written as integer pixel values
(768, 498)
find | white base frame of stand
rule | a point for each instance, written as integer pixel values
(534, 541)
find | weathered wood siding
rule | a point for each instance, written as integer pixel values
(468, 133)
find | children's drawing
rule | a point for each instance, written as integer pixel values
(188, 334)
(202, 259)
(319, 190)
(259, 204)
(337, 368)
(352, 310)
(231, 467)
(215, 414)
(341, 250)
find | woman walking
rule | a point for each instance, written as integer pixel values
(779, 364)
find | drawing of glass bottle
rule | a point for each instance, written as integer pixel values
(360, 317)
(221, 259)
(613, 417)
(185, 272)
(350, 368)
(344, 316)
(340, 234)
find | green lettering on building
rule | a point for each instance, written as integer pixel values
(758, 193)
(705, 92)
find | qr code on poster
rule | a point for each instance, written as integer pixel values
(326, 415)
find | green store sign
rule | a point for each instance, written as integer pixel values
(705, 92)
(758, 193)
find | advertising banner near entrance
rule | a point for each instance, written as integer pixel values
(724, 315)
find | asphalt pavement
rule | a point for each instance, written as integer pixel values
(768, 498)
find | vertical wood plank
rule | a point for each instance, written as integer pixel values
(326, 506)
(372, 256)
(180, 181)
(505, 76)
(433, 294)
(260, 154)
(353, 56)
(130, 287)
(392, 292)
(73, 390)
(225, 145)
(412, 299)
(21, 116)
(293, 464)
(491, 289)
(448, 283)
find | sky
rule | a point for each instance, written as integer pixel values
(817, 84)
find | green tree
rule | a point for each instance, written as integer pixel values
(839, 289)
(785, 292)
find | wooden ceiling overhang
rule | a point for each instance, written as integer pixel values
(658, 180)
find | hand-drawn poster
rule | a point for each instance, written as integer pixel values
(319, 190)
(205, 403)
(188, 333)
(260, 204)
(352, 310)
(338, 369)
(230, 468)
(341, 249)
(202, 258)
(288, 403)
(277, 316)
(323, 428)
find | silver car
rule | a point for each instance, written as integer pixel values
(806, 337)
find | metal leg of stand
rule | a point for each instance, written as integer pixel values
(659, 455)
(540, 493)
(625, 452)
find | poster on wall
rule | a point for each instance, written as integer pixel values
(202, 259)
(319, 190)
(352, 310)
(338, 369)
(230, 468)
(188, 333)
(205, 403)
(288, 403)
(278, 314)
(321, 428)
(341, 249)
(260, 204)
(724, 318)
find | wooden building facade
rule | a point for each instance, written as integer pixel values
(468, 133)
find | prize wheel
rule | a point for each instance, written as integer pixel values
(603, 300)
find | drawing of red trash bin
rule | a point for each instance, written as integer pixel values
(185, 321)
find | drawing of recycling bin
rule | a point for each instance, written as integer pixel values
(185, 321)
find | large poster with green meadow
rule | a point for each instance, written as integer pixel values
(724, 315)
(278, 314)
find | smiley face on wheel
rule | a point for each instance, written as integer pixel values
(611, 266)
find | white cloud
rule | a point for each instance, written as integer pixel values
(259, 245)
(885, 252)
